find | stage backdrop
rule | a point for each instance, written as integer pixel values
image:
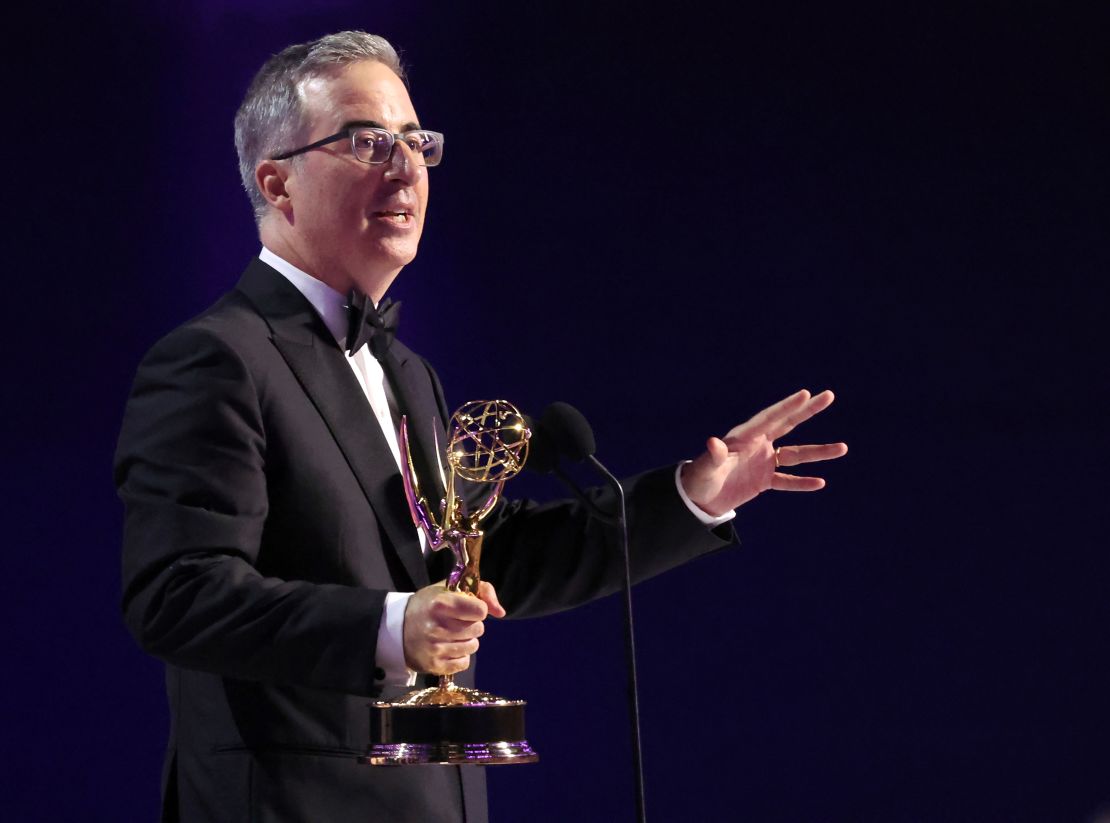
(670, 220)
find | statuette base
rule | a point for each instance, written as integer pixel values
(448, 724)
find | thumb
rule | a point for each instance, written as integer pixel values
(488, 593)
(717, 450)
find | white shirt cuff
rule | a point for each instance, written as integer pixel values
(706, 518)
(390, 656)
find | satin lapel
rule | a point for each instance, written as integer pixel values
(319, 366)
(412, 387)
(408, 376)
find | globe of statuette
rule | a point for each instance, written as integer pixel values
(489, 441)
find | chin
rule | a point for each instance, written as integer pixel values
(392, 255)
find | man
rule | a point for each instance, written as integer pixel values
(268, 555)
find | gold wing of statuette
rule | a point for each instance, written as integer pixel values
(418, 506)
(439, 462)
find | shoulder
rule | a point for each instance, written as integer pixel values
(230, 324)
(196, 391)
(207, 365)
(211, 348)
(237, 331)
(243, 321)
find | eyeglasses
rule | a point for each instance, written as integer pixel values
(373, 145)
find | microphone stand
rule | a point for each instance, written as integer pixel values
(620, 520)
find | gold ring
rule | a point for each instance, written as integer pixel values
(777, 457)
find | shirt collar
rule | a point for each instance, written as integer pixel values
(329, 304)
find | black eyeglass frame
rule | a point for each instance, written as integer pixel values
(350, 131)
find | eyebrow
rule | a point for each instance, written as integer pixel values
(374, 124)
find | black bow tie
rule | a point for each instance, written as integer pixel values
(367, 325)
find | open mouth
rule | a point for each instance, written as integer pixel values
(394, 216)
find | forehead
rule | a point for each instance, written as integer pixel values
(363, 91)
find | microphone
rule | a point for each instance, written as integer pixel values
(562, 431)
(569, 431)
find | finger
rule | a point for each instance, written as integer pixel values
(453, 631)
(488, 594)
(453, 666)
(795, 416)
(773, 414)
(792, 483)
(795, 455)
(455, 651)
(458, 606)
(448, 665)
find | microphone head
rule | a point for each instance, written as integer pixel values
(569, 431)
(561, 431)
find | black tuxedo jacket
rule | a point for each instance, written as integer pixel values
(265, 523)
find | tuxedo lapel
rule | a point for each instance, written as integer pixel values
(409, 379)
(319, 366)
(408, 375)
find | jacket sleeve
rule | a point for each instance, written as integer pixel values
(190, 469)
(549, 557)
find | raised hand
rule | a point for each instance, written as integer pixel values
(745, 462)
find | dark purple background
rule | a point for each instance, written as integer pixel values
(669, 220)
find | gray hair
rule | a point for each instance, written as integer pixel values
(271, 117)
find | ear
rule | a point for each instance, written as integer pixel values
(271, 178)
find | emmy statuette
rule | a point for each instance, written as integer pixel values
(448, 723)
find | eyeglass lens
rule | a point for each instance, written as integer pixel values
(376, 145)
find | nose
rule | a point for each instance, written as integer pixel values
(402, 164)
